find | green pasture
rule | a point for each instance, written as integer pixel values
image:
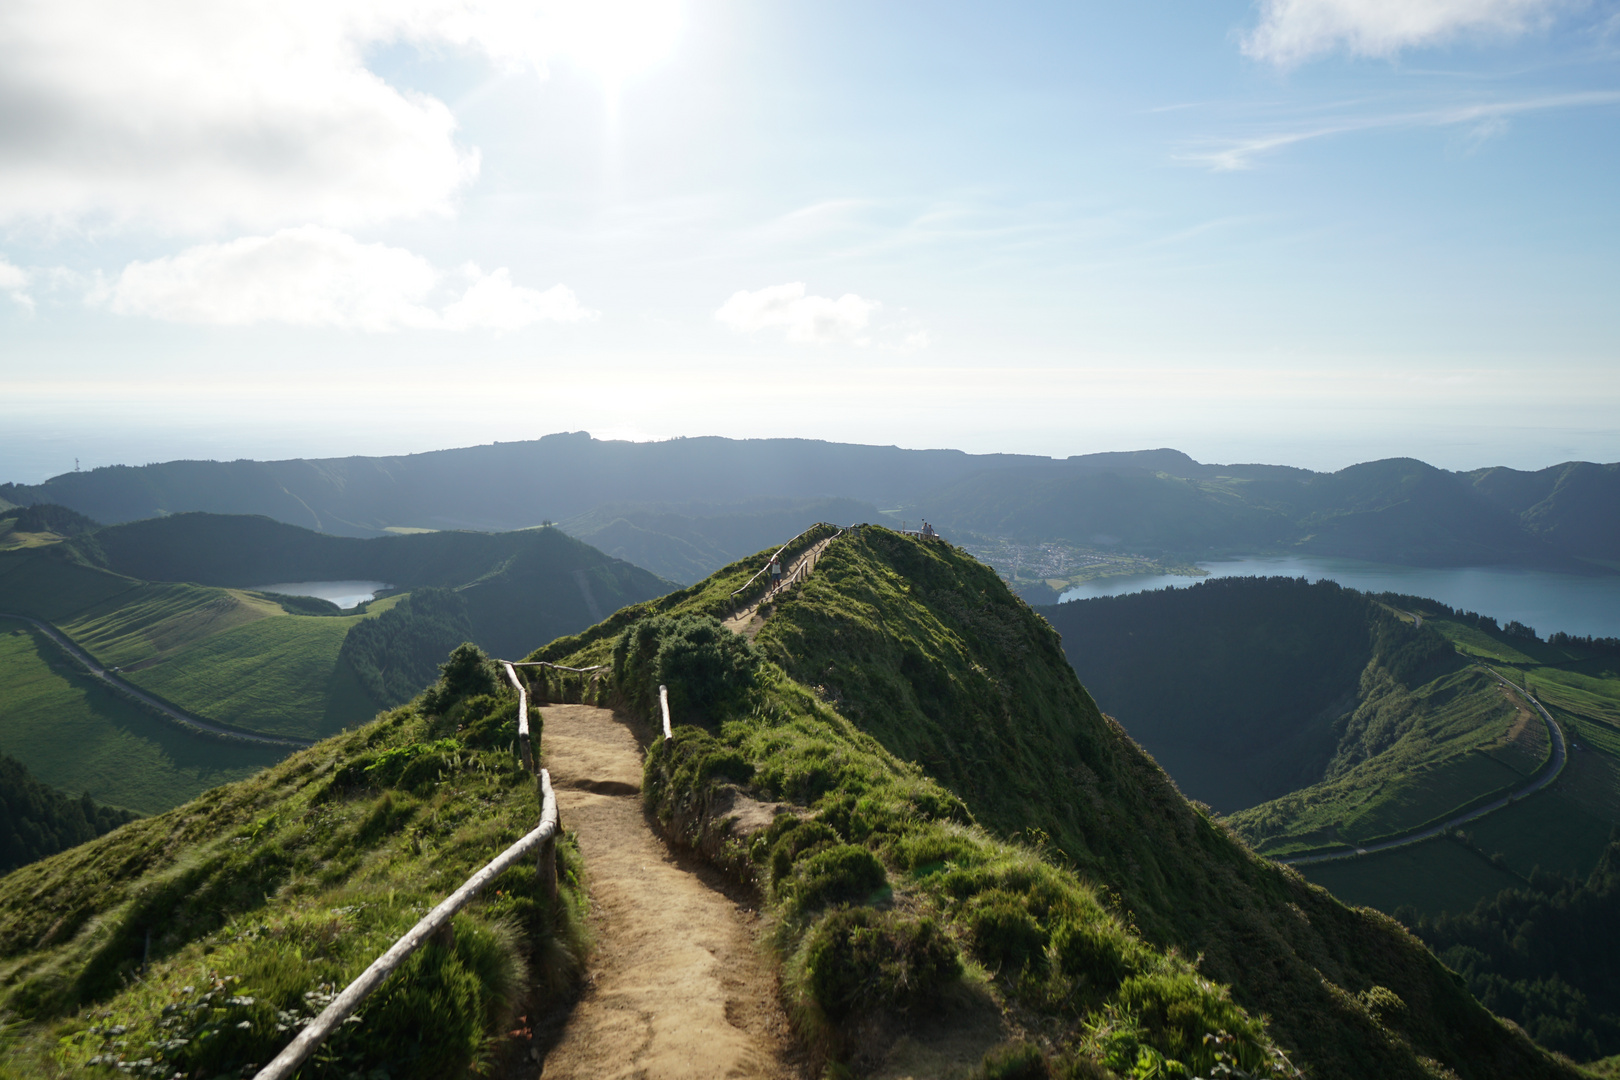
(1429, 794)
(35, 582)
(278, 675)
(1436, 749)
(78, 735)
(1434, 876)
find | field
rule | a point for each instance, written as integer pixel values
(1562, 829)
(1452, 877)
(1455, 741)
(77, 735)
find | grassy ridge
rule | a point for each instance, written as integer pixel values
(903, 665)
(78, 735)
(198, 939)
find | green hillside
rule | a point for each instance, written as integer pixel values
(77, 735)
(40, 821)
(254, 662)
(924, 719)
(225, 655)
(1158, 502)
(192, 943)
(520, 587)
(1396, 511)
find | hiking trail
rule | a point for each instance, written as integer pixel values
(749, 620)
(678, 985)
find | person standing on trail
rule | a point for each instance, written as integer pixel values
(776, 571)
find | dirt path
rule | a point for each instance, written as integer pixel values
(677, 986)
(748, 621)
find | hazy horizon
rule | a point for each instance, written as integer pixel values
(1309, 232)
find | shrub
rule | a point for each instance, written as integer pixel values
(861, 958)
(1013, 1061)
(1177, 1010)
(792, 838)
(1004, 934)
(842, 873)
(704, 665)
(1095, 953)
(466, 673)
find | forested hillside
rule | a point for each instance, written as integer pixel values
(37, 820)
(520, 588)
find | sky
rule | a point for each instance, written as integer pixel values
(1309, 232)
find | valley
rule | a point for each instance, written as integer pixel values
(168, 607)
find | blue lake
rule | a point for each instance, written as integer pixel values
(345, 594)
(1539, 598)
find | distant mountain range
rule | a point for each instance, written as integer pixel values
(686, 506)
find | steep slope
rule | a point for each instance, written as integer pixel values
(1233, 684)
(1574, 507)
(901, 665)
(196, 942)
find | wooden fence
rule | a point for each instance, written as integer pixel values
(541, 842)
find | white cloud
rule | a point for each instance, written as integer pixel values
(1292, 31)
(314, 276)
(802, 318)
(1482, 121)
(193, 115)
(14, 283)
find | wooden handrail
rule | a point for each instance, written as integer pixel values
(559, 667)
(778, 554)
(663, 700)
(525, 746)
(343, 1006)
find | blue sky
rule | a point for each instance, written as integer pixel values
(1303, 231)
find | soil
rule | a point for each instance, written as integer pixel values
(678, 985)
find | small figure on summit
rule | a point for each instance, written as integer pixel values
(928, 531)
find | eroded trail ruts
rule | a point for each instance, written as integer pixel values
(677, 986)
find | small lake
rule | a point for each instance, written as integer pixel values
(345, 594)
(1540, 598)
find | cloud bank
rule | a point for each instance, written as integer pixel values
(14, 283)
(315, 276)
(1292, 31)
(199, 115)
(801, 318)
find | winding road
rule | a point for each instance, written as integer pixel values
(1547, 776)
(184, 719)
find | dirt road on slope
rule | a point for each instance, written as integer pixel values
(677, 987)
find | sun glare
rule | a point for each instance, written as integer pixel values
(618, 39)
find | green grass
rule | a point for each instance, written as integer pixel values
(77, 735)
(1435, 750)
(277, 675)
(222, 654)
(225, 919)
(1551, 830)
(1434, 876)
(902, 677)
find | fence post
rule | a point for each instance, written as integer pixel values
(663, 700)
